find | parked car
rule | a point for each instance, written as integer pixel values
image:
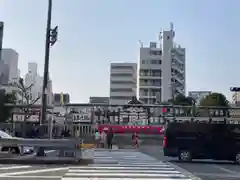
(14, 150)
(189, 141)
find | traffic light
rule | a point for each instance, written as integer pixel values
(235, 89)
(53, 35)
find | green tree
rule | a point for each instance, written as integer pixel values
(216, 105)
(183, 100)
(215, 99)
(5, 109)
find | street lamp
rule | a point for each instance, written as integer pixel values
(51, 38)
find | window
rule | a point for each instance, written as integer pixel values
(121, 82)
(121, 67)
(121, 75)
(155, 53)
(156, 73)
(121, 90)
(143, 62)
(168, 37)
(121, 97)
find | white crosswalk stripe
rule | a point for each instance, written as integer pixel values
(129, 165)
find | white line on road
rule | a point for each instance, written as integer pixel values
(106, 175)
(33, 171)
(82, 178)
(219, 175)
(33, 177)
(117, 166)
(14, 167)
(121, 171)
(226, 170)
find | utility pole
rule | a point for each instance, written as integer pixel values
(173, 93)
(1, 38)
(51, 38)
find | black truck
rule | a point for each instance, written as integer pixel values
(187, 141)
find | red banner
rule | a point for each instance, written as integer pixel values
(131, 129)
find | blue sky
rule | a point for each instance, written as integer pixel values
(92, 33)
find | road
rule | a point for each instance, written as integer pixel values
(31, 172)
(206, 170)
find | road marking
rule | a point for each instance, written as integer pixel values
(134, 175)
(37, 177)
(14, 167)
(120, 168)
(33, 171)
(80, 178)
(226, 170)
(121, 171)
(220, 175)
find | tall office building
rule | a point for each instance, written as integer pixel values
(123, 79)
(161, 70)
(33, 79)
(10, 57)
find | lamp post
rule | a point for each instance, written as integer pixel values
(1, 38)
(51, 38)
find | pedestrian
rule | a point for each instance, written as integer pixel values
(109, 138)
(97, 138)
(135, 142)
(104, 137)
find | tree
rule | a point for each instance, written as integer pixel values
(215, 99)
(216, 103)
(25, 93)
(5, 110)
(183, 100)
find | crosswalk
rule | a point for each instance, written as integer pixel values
(125, 165)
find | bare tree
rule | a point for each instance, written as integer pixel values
(26, 95)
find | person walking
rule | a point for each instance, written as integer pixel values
(109, 138)
(97, 138)
(104, 138)
(135, 142)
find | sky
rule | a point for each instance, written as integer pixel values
(93, 33)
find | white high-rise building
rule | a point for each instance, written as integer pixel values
(33, 79)
(123, 79)
(10, 57)
(161, 70)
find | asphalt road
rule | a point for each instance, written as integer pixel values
(32, 172)
(204, 169)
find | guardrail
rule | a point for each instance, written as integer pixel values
(72, 146)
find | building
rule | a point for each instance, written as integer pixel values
(161, 70)
(236, 98)
(123, 79)
(4, 73)
(61, 99)
(10, 57)
(198, 95)
(35, 81)
(95, 100)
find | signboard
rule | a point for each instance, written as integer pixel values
(20, 118)
(118, 129)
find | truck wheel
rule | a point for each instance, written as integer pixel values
(184, 155)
